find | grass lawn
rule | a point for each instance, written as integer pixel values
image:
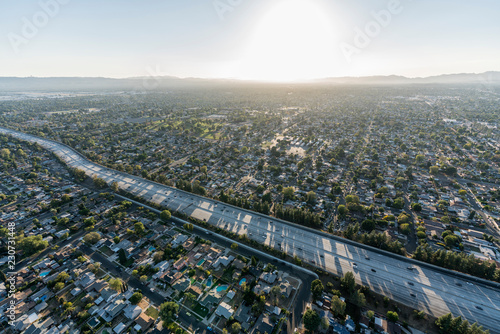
(101, 273)
(200, 310)
(106, 250)
(152, 312)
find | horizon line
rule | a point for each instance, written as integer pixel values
(310, 80)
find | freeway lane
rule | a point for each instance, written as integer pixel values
(434, 290)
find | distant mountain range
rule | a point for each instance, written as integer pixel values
(16, 84)
(462, 78)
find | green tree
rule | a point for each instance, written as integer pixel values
(89, 222)
(92, 238)
(99, 183)
(311, 320)
(234, 246)
(434, 170)
(62, 277)
(311, 197)
(235, 328)
(419, 158)
(352, 199)
(317, 289)
(342, 210)
(451, 240)
(368, 225)
(399, 203)
(403, 218)
(189, 296)
(79, 174)
(32, 244)
(122, 256)
(289, 192)
(168, 310)
(275, 293)
(136, 298)
(116, 284)
(165, 215)
(58, 286)
(392, 316)
(158, 256)
(417, 207)
(338, 306)
(348, 282)
(94, 267)
(139, 229)
(114, 186)
(405, 228)
(325, 323)
(358, 298)
(5, 153)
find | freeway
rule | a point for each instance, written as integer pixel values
(423, 287)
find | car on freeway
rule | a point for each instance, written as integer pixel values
(374, 270)
(411, 283)
(479, 308)
(413, 295)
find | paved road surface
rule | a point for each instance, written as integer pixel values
(435, 291)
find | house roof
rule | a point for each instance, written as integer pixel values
(132, 311)
(224, 310)
(242, 314)
(113, 309)
(144, 321)
(119, 328)
(263, 325)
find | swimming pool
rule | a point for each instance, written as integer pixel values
(243, 280)
(151, 248)
(201, 262)
(93, 322)
(209, 281)
(45, 273)
(221, 288)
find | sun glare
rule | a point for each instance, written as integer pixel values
(293, 41)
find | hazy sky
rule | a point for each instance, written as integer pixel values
(255, 39)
